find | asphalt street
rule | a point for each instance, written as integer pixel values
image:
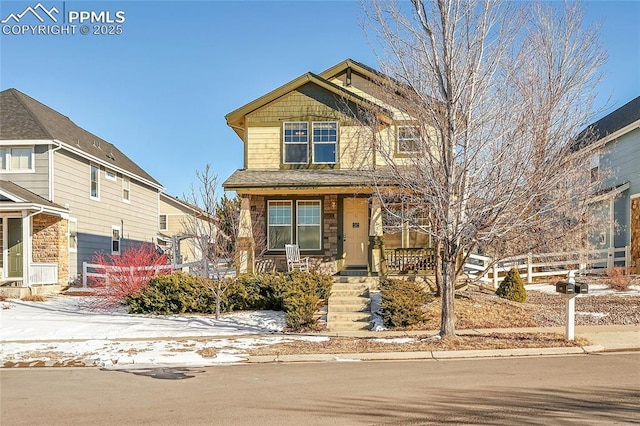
(589, 389)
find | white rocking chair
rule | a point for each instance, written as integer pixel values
(293, 259)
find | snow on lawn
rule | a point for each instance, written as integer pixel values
(66, 328)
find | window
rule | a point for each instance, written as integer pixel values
(115, 240)
(296, 143)
(126, 189)
(595, 167)
(406, 226)
(18, 159)
(408, 139)
(325, 142)
(110, 175)
(308, 221)
(279, 230)
(164, 220)
(95, 182)
(73, 234)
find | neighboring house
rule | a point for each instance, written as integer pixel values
(65, 194)
(616, 161)
(175, 223)
(307, 176)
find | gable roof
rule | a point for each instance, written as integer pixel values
(235, 118)
(24, 118)
(628, 115)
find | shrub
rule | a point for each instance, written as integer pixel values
(402, 302)
(34, 298)
(512, 288)
(172, 294)
(619, 278)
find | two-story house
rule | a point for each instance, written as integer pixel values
(616, 162)
(307, 177)
(65, 194)
(177, 225)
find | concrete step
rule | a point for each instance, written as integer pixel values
(348, 300)
(369, 281)
(349, 286)
(358, 306)
(348, 326)
(348, 317)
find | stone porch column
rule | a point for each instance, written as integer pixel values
(375, 232)
(245, 246)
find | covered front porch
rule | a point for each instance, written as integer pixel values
(34, 242)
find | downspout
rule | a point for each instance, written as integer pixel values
(29, 252)
(51, 175)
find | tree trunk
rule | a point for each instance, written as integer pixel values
(447, 323)
(218, 299)
(438, 268)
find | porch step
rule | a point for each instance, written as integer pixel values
(349, 306)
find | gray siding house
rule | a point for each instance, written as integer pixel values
(65, 194)
(616, 158)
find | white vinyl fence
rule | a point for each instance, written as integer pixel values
(530, 266)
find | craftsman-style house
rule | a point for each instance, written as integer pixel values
(65, 194)
(307, 176)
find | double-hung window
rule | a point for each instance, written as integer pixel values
(408, 139)
(296, 143)
(302, 225)
(115, 239)
(126, 189)
(163, 222)
(94, 177)
(17, 159)
(325, 142)
(406, 226)
(73, 234)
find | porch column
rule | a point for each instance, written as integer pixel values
(26, 247)
(245, 246)
(375, 231)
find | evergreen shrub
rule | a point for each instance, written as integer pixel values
(512, 287)
(402, 302)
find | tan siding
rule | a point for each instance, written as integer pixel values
(178, 222)
(138, 219)
(356, 149)
(38, 181)
(263, 147)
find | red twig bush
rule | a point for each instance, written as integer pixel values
(127, 273)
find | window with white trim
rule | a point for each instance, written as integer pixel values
(94, 177)
(325, 142)
(408, 139)
(126, 189)
(115, 239)
(279, 230)
(73, 234)
(308, 230)
(595, 167)
(406, 226)
(16, 159)
(296, 142)
(163, 221)
(111, 175)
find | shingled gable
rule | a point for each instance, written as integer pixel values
(17, 194)
(235, 119)
(24, 118)
(622, 120)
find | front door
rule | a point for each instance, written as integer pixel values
(15, 246)
(356, 231)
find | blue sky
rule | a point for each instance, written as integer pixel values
(159, 91)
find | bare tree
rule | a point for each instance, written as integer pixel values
(493, 93)
(214, 227)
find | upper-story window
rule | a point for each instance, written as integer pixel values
(163, 222)
(111, 175)
(126, 189)
(16, 159)
(408, 139)
(324, 142)
(94, 177)
(296, 143)
(595, 167)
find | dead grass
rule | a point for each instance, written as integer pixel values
(342, 345)
(619, 278)
(34, 298)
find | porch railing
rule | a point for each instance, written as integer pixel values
(405, 260)
(43, 273)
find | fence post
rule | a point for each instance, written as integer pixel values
(611, 256)
(84, 275)
(627, 256)
(529, 268)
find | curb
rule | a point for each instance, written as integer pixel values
(433, 355)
